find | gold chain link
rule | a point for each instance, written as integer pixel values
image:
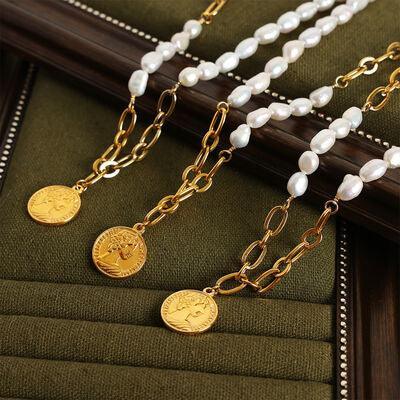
(211, 11)
(194, 180)
(368, 66)
(108, 164)
(256, 251)
(268, 279)
(102, 166)
(378, 98)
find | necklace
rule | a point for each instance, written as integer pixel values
(175, 309)
(59, 204)
(121, 251)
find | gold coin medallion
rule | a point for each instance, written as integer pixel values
(54, 205)
(119, 252)
(189, 312)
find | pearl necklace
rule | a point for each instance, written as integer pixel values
(59, 204)
(194, 180)
(255, 253)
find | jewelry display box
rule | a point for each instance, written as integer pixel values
(329, 330)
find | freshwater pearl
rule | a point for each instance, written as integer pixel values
(151, 62)
(373, 170)
(293, 50)
(228, 61)
(357, 5)
(297, 184)
(166, 49)
(307, 10)
(276, 67)
(323, 141)
(311, 37)
(258, 83)
(308, 162)
(324, 5)
(326, 24)
(343, 13)
(322, 96)
(341, 127)
(280, 111)
(350, 188)
(240, 137)
(392, 157)
(267, 33)
(246, 48)
(208, 70)
(138, 82)
(189, 76)
(354, 115)
(193, 28)
(258, 118)
(181, 40)
(300, 106)
(288, 21)
(239, 96)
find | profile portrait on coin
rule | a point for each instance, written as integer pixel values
(119, 252)
(189, 311)
(54, 205)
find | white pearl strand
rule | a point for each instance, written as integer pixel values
(325, 139)
(228, 61)
(321, 143)
(275, 67)
(164, 51)
(352, 185)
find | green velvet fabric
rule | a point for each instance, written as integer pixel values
(367, 34)
(68, 332)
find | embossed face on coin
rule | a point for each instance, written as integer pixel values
(119, 252)
(189, 312)
(54, 205)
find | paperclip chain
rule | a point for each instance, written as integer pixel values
(368, 66)
(378, 98)
(102, 166)
(308, 241)
(194, 180)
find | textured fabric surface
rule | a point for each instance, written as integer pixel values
(67, 332)
(367, 34)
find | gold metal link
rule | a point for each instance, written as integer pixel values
(193, 179)
(379, 97)
(284, 216)
(211, 11)
(155, 131)
(105, 165)
(229, 277)
(210, 140)
(271, 272)
(262, 251)
(368, 66)
(169, 94)
(129, 111)
(219, 118)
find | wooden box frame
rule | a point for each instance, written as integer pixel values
(58, 33)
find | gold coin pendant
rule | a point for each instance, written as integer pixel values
(119, 252)
(189, 312)
(54, 205)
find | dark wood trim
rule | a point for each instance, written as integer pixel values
(103, 55)
(15, 82)
(371, 297)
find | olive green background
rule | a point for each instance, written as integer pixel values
(67, 332)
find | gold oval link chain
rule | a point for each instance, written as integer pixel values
(193, 179)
